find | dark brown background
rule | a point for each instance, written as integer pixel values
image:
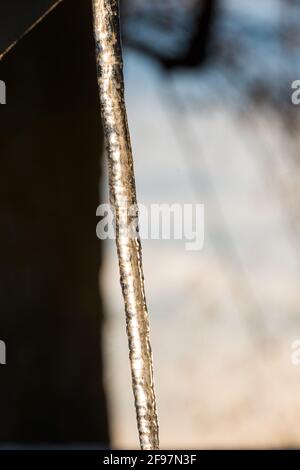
(50, 147)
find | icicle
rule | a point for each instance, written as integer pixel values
(123, 196)
(30, 28)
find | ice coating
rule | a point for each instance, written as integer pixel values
(123, 196)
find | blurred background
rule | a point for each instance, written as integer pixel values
(209, 105)
(208, 90)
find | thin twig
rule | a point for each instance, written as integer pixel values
(28, 30)
(123, 197)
